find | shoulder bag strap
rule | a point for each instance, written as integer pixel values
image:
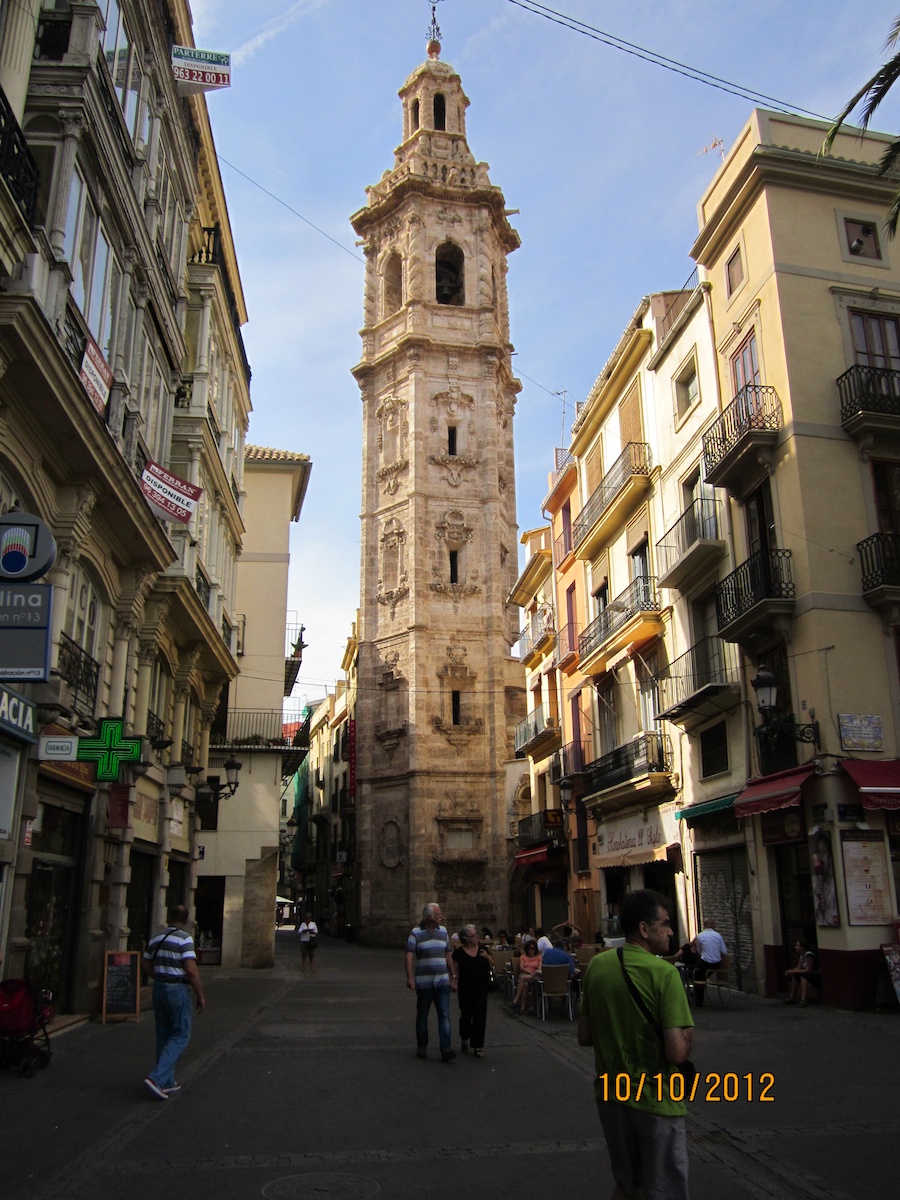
(636, 997)
(159, 945)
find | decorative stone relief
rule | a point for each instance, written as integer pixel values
(454, 400)
(389, 476)
(454, 464)
(448, 217)
(389, 736)
(459, 878)
(453, 529)
(391, 845)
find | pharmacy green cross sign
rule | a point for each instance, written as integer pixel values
(109, 749)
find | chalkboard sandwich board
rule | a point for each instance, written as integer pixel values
(121, 984)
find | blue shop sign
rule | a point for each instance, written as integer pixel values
(17, 715)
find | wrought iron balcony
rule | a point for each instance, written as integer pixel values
(567, 647)
(539, 730)
(700, 682)
(156, 727)
(261, 729)
(879, 560)
(629, 473)
(647, 754)
(641, 596)
(751, 421)
(677, 304)
(535, 634)
(204, 590)
(692, 543)
(571, 760)
(563, 545)
(188, 754)
(870, 400)
(81, 673)
(545, 826)
(750, 598)
(16, 163)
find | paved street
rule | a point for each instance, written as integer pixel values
(297, 1088)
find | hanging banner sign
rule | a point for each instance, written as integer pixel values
(200, 70)
(27, 547)
(25, 610)
(96, 375)
(170, 497)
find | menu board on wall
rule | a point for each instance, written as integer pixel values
(866, 877)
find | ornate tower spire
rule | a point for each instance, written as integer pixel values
(437, 687)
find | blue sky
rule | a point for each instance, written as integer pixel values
(601, 152)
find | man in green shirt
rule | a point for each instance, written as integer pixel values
(640, 1094)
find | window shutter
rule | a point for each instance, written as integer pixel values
(638, 529)
(630, 426)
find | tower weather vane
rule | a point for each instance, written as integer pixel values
(434, 30)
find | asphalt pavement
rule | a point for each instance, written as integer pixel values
(303, 1087)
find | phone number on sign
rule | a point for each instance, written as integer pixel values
(712, 1087)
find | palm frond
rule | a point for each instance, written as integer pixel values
(893, 216)
(890, 159)
(873, 92)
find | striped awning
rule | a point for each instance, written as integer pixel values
(772, 792)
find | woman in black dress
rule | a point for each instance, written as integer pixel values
(473, 971)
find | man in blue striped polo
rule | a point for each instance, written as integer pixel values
(431, 974)
(171, 962)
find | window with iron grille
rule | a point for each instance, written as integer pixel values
(714, 750)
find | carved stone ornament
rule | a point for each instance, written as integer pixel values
(454, 807)
(456, 591)
(448, 217)
(454, 465)
(460, 735)
(454, 399)
(453, 529)
(392, 596)
(459, 878)
(391, 845)
(389, 736)
(389, 476)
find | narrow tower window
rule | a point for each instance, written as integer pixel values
(414, 116)
(451, 440)
(454, 566)
(393, 284)
(456, 705)
(449, 267)
(440, 111)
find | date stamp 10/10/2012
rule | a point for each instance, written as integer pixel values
(713, 1088)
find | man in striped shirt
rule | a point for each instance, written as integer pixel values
(431, 974)
(170, 961)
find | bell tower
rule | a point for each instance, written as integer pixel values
(438, 694)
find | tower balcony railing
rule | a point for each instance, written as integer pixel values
(752, 418)
(641, 595)
(694, 540)
(648, 753)
(748, 598)
(588, 525)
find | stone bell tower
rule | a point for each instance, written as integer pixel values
(438, 691)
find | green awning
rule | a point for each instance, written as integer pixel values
(708, 806)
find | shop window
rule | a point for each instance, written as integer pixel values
(714, 750)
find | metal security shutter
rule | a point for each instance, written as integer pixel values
(723, 887)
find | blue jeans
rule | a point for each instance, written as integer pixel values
(440, 996)
(173, 1007)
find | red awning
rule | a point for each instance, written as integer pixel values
(878, 782)
(535, 854)
(772, 792)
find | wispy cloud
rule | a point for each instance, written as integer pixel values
(277, 25)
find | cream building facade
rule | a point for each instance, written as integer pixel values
(438, 698)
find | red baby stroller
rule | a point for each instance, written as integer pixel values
(24, 1014)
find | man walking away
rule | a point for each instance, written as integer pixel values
(635, 1059)
(711, 947)
(431, 974)
(171, 962)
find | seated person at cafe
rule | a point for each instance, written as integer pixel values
(502, 938)
(710, 945)
(557, 956)
(530, 968)
(806, 974)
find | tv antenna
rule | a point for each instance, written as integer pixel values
(716, 144)
(563, 394)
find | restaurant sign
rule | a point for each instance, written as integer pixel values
(636, 837)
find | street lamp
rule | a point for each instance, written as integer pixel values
(566, 788)
(766, 687)
(213, 788)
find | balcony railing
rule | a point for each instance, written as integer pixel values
(869, 390)
(80, 671)
(641, 595)
(572, 760)
(541, 827)
(261, 729)
(879, 561)
(540, 625)
(211, 254)
(563, 545)
(647, 753)
(567, 641)
(156, 727)
(754, 408)
(16, 163)
(188, 754)
(634, 460)
(699, 522)
(204, 590)
(537, 722)
(709, 662)
(766, 575)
